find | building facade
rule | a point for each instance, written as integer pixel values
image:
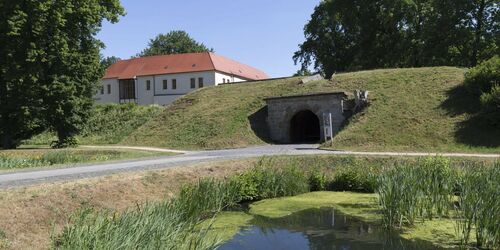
(162, 79)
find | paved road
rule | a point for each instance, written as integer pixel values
(31, 177)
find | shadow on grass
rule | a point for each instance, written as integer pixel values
(477, 130)
(258, 123)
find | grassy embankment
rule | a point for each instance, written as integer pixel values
(37, 158)
(422, 109)
(27, 215)
(109, 124)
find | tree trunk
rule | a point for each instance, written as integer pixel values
(418, 36)
(478, 32)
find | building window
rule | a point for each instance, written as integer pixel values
(224, 80)
(228, 80)
(174, 83)
(200, 82)
(165, 84)
(102, 89)
(109, 89)
(193, 83)
(148, 85)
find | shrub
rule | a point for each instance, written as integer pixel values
(317, 180)
(263, 182)
(355, 178)
(483, 81)
(482, 78)
(108, 124)
(491, 104)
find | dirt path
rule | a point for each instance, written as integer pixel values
(23, 178)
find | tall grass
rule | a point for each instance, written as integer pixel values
(265, 181)
(175, 223)
(479, 205)
(410, 192)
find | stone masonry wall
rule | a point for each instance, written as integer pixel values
(282, 110)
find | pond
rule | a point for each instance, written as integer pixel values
(323, 228)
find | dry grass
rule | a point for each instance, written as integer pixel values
(29, 215)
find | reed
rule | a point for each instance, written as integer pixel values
(410, 192)
(174, 224)
(478, 207)
(266, 181)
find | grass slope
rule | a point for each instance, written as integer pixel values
(109, 124)
(415, 110)
(422, 109)
(218, 117)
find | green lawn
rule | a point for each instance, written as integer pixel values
(422, 109)
(40, 158)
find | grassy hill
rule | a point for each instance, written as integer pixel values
(109, 124)
(421, 109)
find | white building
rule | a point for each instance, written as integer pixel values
(162, 79)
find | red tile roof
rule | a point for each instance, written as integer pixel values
(181, 63)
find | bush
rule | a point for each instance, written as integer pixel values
(482, 78)
(108, 124)
(483, 81)
(317, 180)
(355, 178)
(491, 104)
(263, 182)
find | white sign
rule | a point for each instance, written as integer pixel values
(327, 126)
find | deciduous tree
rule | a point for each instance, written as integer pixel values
(50, 65)
(347, 35)
(174, 42)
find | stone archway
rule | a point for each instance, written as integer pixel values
(296, 119)
(305, 127)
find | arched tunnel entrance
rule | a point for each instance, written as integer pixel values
(305, 127)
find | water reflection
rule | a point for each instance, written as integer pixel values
(318, 229)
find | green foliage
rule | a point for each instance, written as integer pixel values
(111, 123)
(483, 81)
(173, 224)
(174, 42)
(108, 124)
(317, 180)
(264, 181)
(108, 61)
(479, 206)
(152, 226)
(367, 34)
(50, 65)
(355, 176)
(408, 192)
(207, 197)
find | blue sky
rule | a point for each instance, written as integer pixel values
(261, 33)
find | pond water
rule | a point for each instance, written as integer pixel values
(323, 228)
